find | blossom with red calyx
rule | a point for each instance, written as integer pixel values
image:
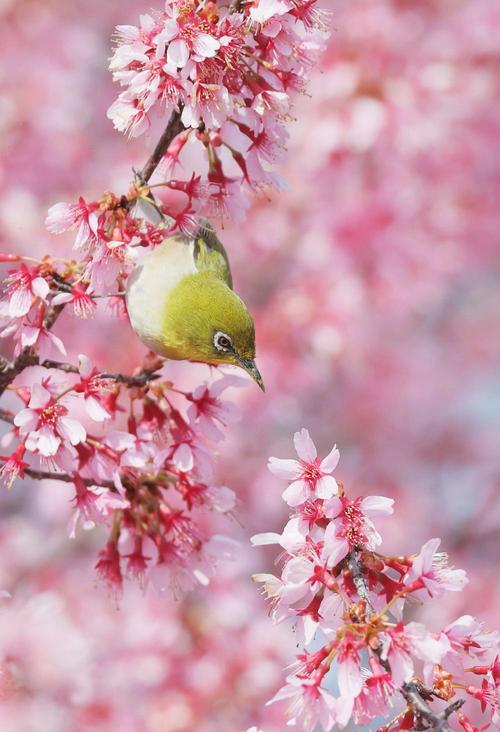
(23, 287)
(93, 387)
(376, 692)
(83, 303)
(208, 411)
(429, 571)
(46, 423)
(81, 216)
(13, 466)
(137, 561)
(351, 527)
(93, 505)
(310, 474)
(108, 567)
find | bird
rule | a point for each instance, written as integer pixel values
(182, 305)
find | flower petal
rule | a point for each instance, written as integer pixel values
(287, 469)
(377, 506)
(296, 493)
(71, 430)
(306, 449)
(326, 487)
(330, 462)
(178, 53)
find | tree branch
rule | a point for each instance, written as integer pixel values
(6, 416)
(356, 568)
(414, 693)
(173, 128)
(140, 379)
(26, 358)
(64, 478)
(423, 712)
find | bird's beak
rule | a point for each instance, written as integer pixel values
(251, 368)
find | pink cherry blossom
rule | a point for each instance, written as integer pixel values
(207, 411)
(46, 423)
(94, 505)
(310, 474)
(352, 527)
(83, 304)
(430, 570)
(81, 216)
(23, 286)
(93, 389)
(309, 704)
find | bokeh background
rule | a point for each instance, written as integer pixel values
(375, 282)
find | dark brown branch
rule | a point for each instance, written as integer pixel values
(46, 475)
(6, 416)
(141, 379)
(173, 128)
(424, 714)
(26, 358)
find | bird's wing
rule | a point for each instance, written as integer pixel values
(209, 253)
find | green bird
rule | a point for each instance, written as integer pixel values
(182, 305)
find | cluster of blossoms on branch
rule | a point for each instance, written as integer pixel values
(227, 73)
(138, 459)
(348, 601)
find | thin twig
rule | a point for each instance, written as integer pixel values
(423, 712)
(173, 128)
(65, 478)
(141, 379)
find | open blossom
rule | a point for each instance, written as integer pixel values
(93, 505)
(308, 704)
(310, 475)
(46, 423)
(208, 410)
(81, 216)
(93, 388)
(351, 527)
(23, 286)
(83, 304)
(430, 570)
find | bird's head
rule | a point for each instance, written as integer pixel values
(208, 322)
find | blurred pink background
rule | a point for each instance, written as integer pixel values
(375, 282)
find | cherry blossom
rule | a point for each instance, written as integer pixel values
(310, 474)
(46, 423)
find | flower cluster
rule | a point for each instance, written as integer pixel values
(138, 451)
(227, 73)
(350, 600)
(148, 477)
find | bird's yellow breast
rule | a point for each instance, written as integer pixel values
(149, 287)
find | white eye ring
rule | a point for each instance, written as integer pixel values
(220, 346)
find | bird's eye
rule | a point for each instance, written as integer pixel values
(222, 342)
